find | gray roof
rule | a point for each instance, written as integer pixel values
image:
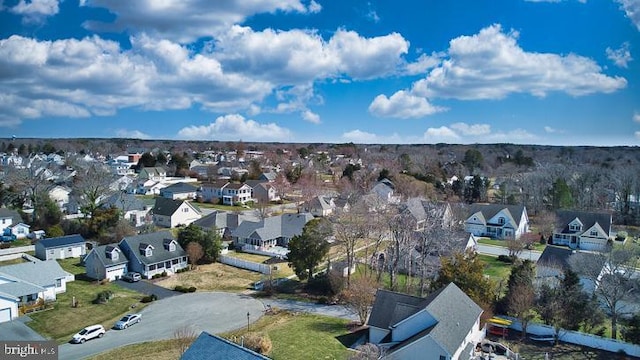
(453, 310)
(208, 346)
(101, 253)
(40, 273)
(490, 210)
(124, 202)
(320, 202)
(8, 213)
(18, 288)
(588, 219)
(254, 183)
(180, 188)
(62, 241)
(285, 225)
(156, 240)
(168, 207)
(217, 219)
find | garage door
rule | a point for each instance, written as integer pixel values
(5, 315)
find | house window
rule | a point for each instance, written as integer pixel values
(442, 357)
(69, 249)
(593, 233)
(501, 220)
(174, 261)
(574, 227)
(58, 283)
(160, 265)
(152, 267)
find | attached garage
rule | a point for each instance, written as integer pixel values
(5, 315)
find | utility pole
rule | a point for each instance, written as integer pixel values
(248, 321)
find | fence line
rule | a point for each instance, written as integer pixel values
(245, 264)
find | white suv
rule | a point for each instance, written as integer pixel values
(88, 333)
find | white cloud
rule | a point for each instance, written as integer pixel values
(550, 130)
(636, 117)
(311, 117)
(491, 65)
(35, 10)
(471, 130)
(424, 63)
(132, 134)
(187, 20)
(441, 134)
(402, 105)
(621, 56)
(236, 127)
(513, 136)
(362, 137)
(632, 10)
(314, 7)
(637, 134)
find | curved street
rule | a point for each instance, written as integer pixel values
(214, 312)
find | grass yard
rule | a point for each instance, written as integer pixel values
(213, 277)
(532, 350)
(165, 349)
(301, 336)
(501, 243)
(497, 270)
(284, 270)
(63, 320)
(12, 261)
(229, 208)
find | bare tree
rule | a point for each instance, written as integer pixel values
(521, 305)
(183, 337)
(32, 181)
(612, 274)
(368, 352)
(359, 296)
(399, 249)
(349, 228)
(91, 185)
(515, 246)
(195, 253)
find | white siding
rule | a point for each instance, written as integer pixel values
(424, 348)
(8, 310)
(376, 334)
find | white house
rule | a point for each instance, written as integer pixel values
(226, 192)
(582, 230)
(497, 221)
(153, 173)
(445, 325)
(69, 246)
(106, 262)
(179, 191)
(154, 253)
(26, 284)
(171, 213)
(60, 195)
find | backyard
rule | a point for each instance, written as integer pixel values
(213, 277)
(64, 320)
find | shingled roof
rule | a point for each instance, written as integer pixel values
(588, 219)
(286, 225)
(156, 241)
(62, 241)
(208, 346)
(454, 311)
(490, 210)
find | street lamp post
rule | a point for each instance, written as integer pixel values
(248, 320)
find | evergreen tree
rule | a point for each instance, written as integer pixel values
(307, 250)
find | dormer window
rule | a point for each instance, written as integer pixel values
(593, 233)
(112, 253)
(501, 220)
(575, 227)
(169, 244)
(146, 250)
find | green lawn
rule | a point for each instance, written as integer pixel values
(220, 207)
(495, 269)
(64, 320)
(301, 336)
(502, 243)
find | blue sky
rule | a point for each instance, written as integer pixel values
(559, 72)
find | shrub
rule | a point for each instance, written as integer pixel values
(258, 342)
(621, 236)
(103, 297)
(149, 298)
(182, 270)
(184, 289)
(192, 289)
(506, 259)
(5, 245)
(161, 275)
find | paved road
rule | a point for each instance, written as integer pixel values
(148, 288)
(212, 312)
(532, 255)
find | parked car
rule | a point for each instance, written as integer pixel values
(131, 277)
(88, 333)
(127, 321)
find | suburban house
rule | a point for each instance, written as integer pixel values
(60, 195)
(208, 346)
(171, 213)
(269, 232)
(445, 324)
(269, 176)
(156, 173)
(552, 263)
(153, 253)
(321, 206)
(28, 285)
(422, 210)
(382, 194)
(224, 223)
(179, 191)
(264, 193)
(69, 246)
(225, 192)
(20, 230)
(497, 221)
(106, 262)
(582, 230)
(8, 217)
(132, 208)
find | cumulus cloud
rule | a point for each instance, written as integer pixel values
(440, 134)
(187, 20)
(235, 127)
(402, 105)
(471, 130)
(132, 134)
(311, 117)
(637, 134)
(423, 63)
(35, 10)
(636, 117)
(363, 137)
(314, 7)
(632, 10)
(550, 130)
(621, 56)
(491, 65)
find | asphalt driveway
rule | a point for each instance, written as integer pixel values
(201, 311)
(148, 288)
(17, 330)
